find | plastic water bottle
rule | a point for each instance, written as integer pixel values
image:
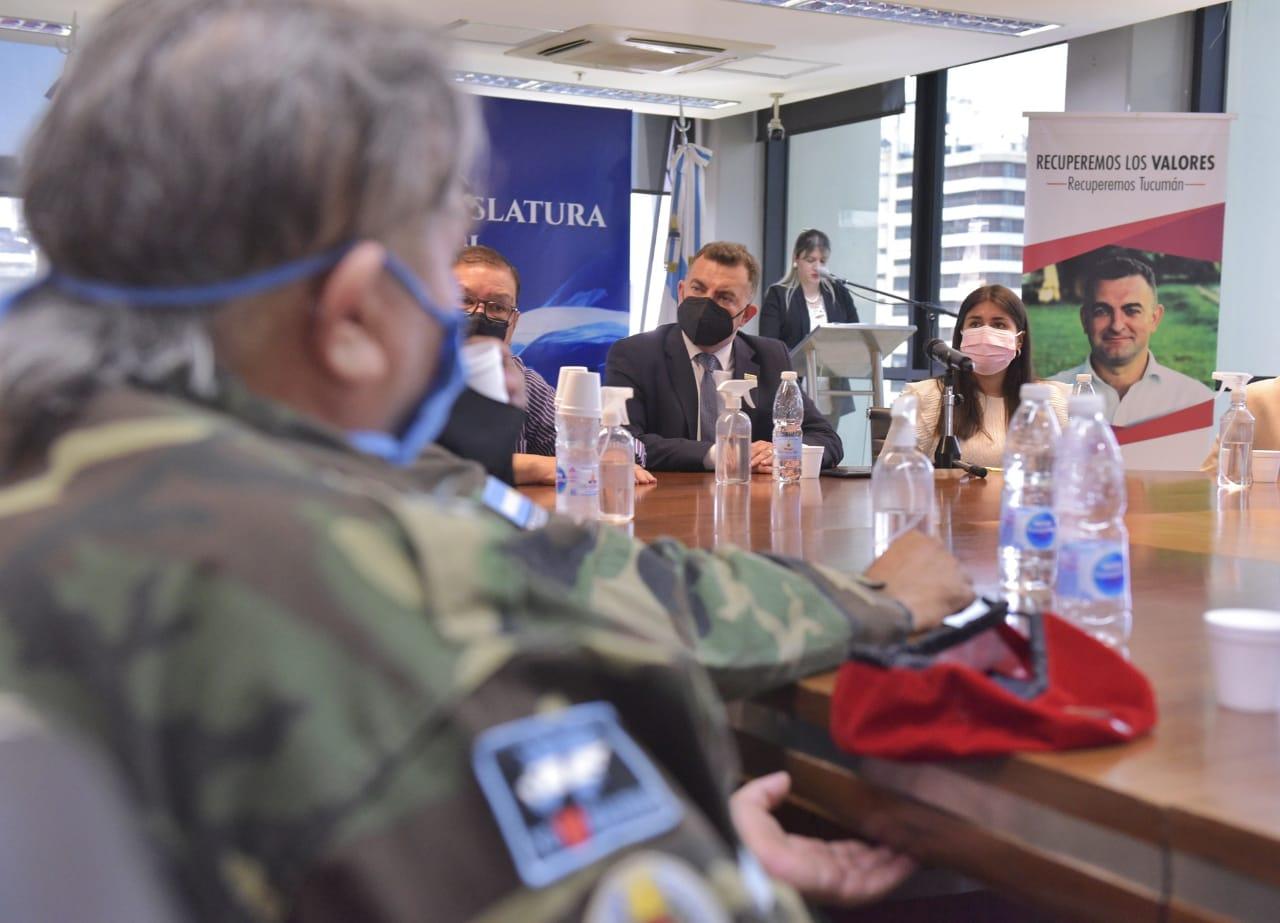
(578, 447)
(617, 458)
(788, 434)
(1028, 524)
(902, 495)
(1235, 435)
(1083, 384)
(1093, 544)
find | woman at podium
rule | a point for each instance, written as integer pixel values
(804, 300)
(992, 331)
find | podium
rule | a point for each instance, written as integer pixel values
(848, 351)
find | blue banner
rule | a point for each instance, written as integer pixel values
(557, 204)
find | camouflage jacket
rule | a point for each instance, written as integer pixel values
(335, 697)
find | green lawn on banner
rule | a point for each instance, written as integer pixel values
(1187, 339)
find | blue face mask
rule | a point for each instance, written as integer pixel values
(432, 411)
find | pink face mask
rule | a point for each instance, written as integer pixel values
(991, 349)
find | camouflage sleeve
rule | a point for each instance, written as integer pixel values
(753, 622)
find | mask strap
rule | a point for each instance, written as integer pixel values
(181, 296)
(433, 412)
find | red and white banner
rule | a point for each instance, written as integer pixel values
(1122, 261)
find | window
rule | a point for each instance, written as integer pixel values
(986, 166)
(27, 71)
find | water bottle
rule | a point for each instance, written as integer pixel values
(901, 480)
(617, 458)
(788, 434)
(1235, 435)
(1028, 524)
(578, 448)
(1083, 385)
(1092, 587)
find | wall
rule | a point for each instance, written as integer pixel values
(1248, 334)
(735, 184)
(1140, 68)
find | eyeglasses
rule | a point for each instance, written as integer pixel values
(494, 310)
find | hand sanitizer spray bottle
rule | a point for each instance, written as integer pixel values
(733, 433)
(1235, 435)
(617, 456)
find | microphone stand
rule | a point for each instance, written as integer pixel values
(947, 454)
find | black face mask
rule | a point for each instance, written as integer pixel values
(479, 325)
(704, 321)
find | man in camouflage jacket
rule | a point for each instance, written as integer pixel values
(333, 695)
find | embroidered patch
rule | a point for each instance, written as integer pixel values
(569, 788)
(512, 506)
(652, 887)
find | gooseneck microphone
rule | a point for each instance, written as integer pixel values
(950, 357)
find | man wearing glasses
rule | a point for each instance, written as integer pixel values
(672, 369)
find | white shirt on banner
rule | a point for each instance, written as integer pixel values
(1159, 391)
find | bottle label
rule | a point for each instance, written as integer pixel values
(577, 481)
(1096, 570)
(787, 448)
(1029, 528)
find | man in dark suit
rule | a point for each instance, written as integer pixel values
(672, 369)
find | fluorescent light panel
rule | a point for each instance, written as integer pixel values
(913, 15)
(582, 90)
(35, 26)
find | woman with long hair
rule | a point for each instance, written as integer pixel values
(804, 299)
(991, 330)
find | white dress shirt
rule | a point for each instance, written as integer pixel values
(1159, 391)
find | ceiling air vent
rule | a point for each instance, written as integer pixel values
(635, 51)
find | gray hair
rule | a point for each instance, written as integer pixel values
(196, 141)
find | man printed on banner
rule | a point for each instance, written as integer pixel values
(1119, 314)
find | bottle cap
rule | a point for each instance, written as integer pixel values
(902, 427)
(1084, 405)
(788, 376)
(1036, 391)
(1083, 377)
(1236, 382)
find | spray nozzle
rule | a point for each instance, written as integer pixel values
(735, 391)
(902, 428)
(613, 405)
(1235, 382)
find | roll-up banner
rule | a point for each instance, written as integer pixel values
(557, 204)
(1122, 259)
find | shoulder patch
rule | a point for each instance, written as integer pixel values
(570, 788)
(653, 887)
(511, 505)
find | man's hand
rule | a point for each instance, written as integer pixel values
(839, 872)
(644, 477)
(761, 457)
(534, 469)
(922, 575)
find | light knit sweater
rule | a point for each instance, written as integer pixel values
(985, 447)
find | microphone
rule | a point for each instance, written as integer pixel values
(831, 276)
(951, 358)
(926, 305)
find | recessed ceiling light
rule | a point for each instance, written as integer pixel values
(913, 15)
(582, 90)
(36, 26)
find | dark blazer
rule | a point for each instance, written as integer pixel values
(790, 322)
(664, 411)
(483, 430)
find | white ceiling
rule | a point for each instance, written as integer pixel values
(814, 54)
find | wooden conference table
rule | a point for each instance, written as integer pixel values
(1182, 825)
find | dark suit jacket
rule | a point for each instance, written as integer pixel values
(664, 411)
(790, 322)
(483, 430)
